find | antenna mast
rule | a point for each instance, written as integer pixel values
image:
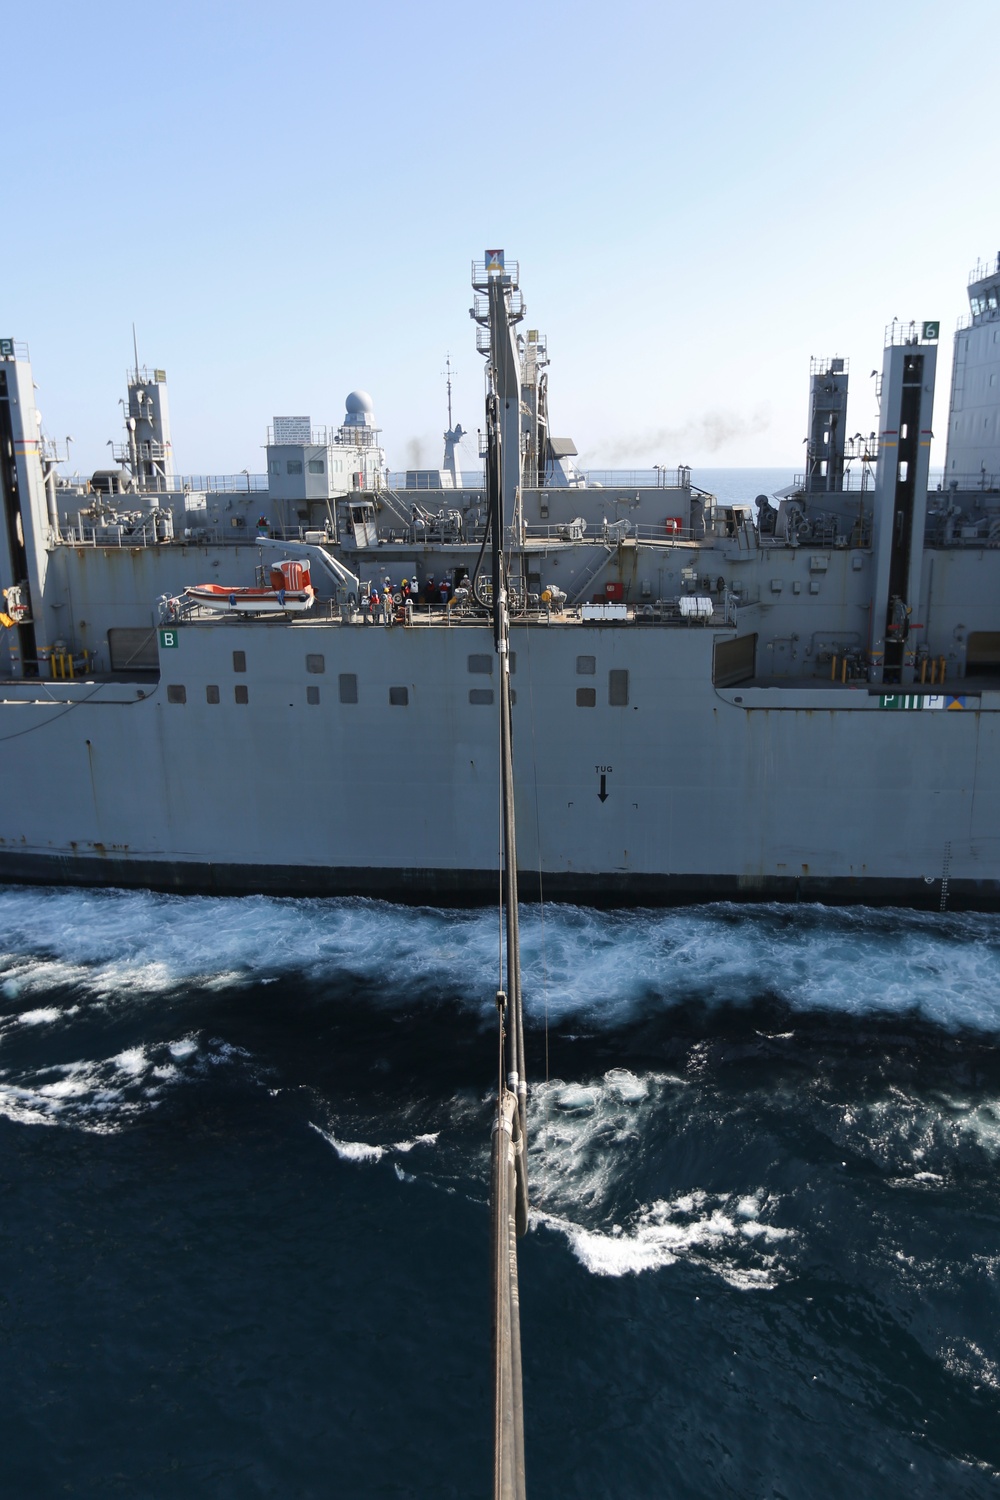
(448, 371)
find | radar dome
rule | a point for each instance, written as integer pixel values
(359, 401)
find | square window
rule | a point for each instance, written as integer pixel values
(586, 697)
(312, 695)
(176, 693)
(586, 666)
(480, 695)
(211, 693)
(239, 661)
(241, 694)
(316, 466)
(483, 664)
(399, 697)
(618, 688)
(293, 466)
(348, 687)
(315, 664)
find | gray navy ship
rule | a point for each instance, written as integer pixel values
(288, 683)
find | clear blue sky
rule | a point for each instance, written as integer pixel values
(286, 199)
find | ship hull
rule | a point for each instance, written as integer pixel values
(467, 888)
(358, 761)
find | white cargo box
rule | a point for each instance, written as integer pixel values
(605, 612)
(696, 607)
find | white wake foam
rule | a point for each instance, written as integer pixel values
(602, 967)
(105, 1094)
(704, 1229)
(587, 1140)
(364, 1151)
(914, 1138)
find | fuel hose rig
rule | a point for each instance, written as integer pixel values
(509, 1176)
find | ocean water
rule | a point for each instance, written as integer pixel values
(742, 486)
(244, 1240)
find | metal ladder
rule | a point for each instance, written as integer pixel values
(587, 577)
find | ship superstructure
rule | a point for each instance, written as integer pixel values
(795, 695)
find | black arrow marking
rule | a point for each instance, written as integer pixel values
(604, 793)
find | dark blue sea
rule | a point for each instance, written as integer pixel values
(244, 1236)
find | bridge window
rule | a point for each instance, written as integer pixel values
(312, 695)
(348, 687)
(399, 697)
(480, 695)
(211, 693)
(618, 688)
(176, 693)
(586, 697)
(586, 666)
(316, 466)
(293, 466)
(239, 661)
(483, 664)
(241, 694)
(315, 663)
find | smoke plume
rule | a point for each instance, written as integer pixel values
(708, 433)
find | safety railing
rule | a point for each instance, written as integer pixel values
(473, 480)
(222, 484)
(982, 269)
(656, 478)
(978, 480)
(150, 532)
(596, 534)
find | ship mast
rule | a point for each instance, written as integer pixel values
(497, 311)
(452, 437)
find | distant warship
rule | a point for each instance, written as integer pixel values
(286, 683)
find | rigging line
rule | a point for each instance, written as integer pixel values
(498, 1288)
(508, 1194)
(501, 838)
(500, 849)
(114, 703)
(538, 840)
(482, 550)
